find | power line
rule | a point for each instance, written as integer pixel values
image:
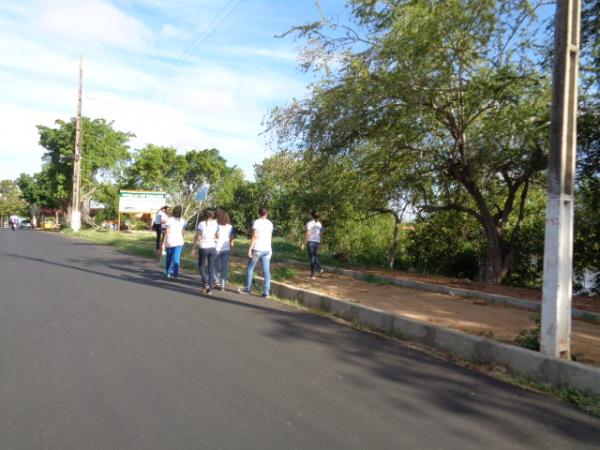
(199, 40)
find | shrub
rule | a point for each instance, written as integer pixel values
(530, 337)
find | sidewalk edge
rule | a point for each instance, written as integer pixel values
(478, 349)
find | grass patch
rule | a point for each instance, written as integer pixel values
(284, 273)
(588, 403)
(285, 251)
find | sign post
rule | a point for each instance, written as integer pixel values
(201, 196)
(133, 202)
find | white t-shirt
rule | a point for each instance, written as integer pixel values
(161, 217)
(175, 227)
(264, 231)
(208, 228)
(224, 232)
(13, 219)
(314, 229)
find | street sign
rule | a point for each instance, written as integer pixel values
(141, 201)
(202, 193)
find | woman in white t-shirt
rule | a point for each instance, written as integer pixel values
(172, 242)
(312, 240)
(225, 237)
(206, 238)
(260, 250)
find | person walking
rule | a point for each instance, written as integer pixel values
(172, 242)
(14, 221)
(225, 237)
(206, 234)
(312, 240)
(159, 223)
(260, 250)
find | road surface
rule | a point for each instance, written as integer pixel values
(97, 352)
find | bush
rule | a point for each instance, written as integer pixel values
(362, 241)
(446, 244)
(530, 337)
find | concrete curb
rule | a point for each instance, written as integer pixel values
(533, 364)
(458, 292)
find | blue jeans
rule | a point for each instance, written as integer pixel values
(223, 265)
(207, 255)
(313, 252)
(265, 259)
(173, 257)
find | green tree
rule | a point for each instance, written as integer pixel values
(182, 175)
(11, 200)
(587, 207)
(446, 87)
(156, 168)
(104, 151)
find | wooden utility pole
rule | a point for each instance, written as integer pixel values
(75, 213)
(558, 246)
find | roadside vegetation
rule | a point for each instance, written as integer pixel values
(416, 158)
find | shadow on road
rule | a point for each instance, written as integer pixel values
(418, 383)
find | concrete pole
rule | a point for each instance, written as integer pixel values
(75, 214)
(558, 246)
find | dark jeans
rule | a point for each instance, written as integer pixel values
(313, 251)
(223, 266)
(207, 255)
(158, 230)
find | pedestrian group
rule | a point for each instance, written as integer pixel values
(214, 240)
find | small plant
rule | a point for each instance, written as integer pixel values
(284, 273)
(530, 337)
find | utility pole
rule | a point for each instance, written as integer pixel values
(75, 213)
(558, 245)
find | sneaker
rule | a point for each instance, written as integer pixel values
(208, 291)
(222, 287)
(321, 271)
(265, 296)
(312, 277)
(167, 276)
(243, 291)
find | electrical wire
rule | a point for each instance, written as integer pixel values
(199, 40)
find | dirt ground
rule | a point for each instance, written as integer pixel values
(585, 303)
(473, 316)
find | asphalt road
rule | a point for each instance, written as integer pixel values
(97, 352)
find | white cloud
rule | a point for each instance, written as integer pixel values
(22, 152)
(169, 31)
(96, 22)
(216, 99)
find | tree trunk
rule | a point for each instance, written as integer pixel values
(395, 244)
(495, 265)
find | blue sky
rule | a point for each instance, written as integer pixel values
(217, 98)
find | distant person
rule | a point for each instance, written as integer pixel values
(260, 250)
(206, 234)
(172, 242)
(312, 240)
(14, 221)
(225, 237)
(159, 223)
